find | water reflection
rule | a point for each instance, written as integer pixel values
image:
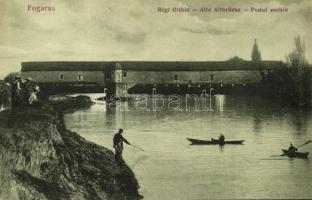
(300, 119)
(220, 101)
(111, 116)
(257, 121)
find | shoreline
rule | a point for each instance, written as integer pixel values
(41, 158)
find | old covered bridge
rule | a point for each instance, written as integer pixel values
(124, 77)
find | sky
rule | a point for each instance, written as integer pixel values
(108, 30)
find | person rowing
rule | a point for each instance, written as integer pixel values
(292, 148)
(221, 138)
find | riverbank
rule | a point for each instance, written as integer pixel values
(41, 159)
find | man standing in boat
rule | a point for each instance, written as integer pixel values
(118, 145)
(292, 148)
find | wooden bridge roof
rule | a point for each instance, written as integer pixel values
(150, 65)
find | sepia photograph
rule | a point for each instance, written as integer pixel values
(155, 100)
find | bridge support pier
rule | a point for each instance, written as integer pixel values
(117, 88)
(122, 90)
(117, 91)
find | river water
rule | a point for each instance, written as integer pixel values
(170, 168)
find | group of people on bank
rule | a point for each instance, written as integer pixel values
(23, 92)
(18, 92)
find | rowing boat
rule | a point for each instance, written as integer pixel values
(214, 141)
(295, 154)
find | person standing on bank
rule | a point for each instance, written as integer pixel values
(16, 88)
(33, 100)
(118, 145)
(28, 87)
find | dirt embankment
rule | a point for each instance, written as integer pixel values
(41, 159)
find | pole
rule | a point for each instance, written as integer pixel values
(307, 142)
(137, 147)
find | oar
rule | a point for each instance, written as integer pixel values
(137, 147)
(307, 142)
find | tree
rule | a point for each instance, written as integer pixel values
(255, 55)
(236, 59)
(297, 65)
(296, 60)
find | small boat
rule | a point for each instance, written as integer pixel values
(214, 141)
(295, 154)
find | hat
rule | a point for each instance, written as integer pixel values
(37, 88)
(28, 78)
